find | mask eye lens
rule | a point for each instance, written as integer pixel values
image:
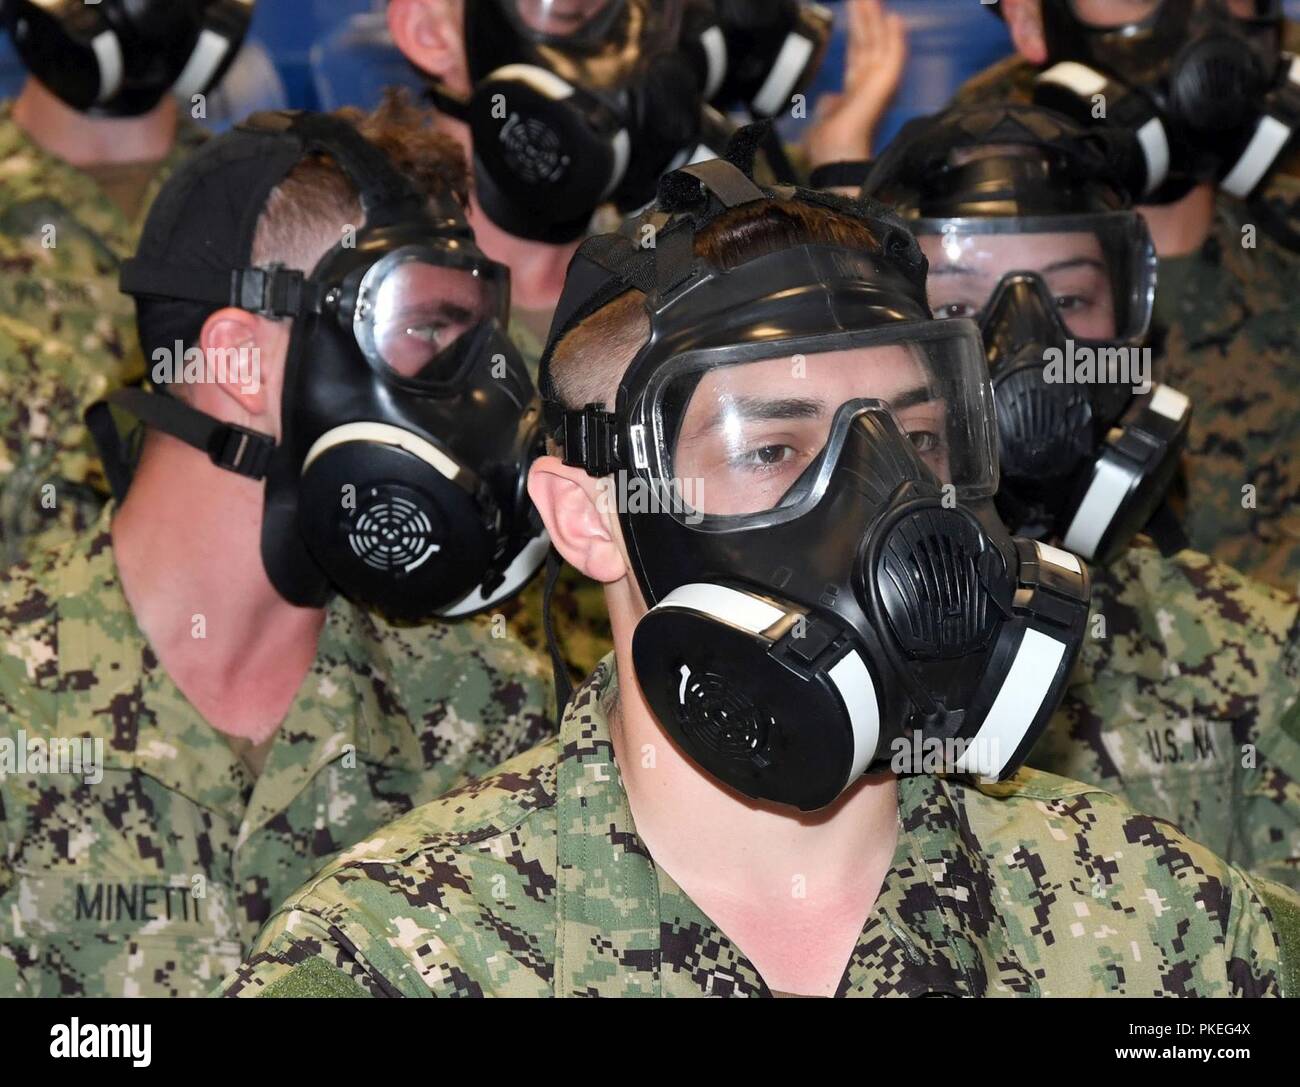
(1105, 14)
(415, 313)
(748, 438)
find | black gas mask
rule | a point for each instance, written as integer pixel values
(576, 103)
(802, 459)
(118, 58)
(1089, 444)
(1204, 84)
(408, 420)
(761, 53)
(1026, 222)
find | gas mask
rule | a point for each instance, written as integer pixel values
(770, 50)
(1204, 84)
(1089, 443)
(118, 58)
(1027, 226)
(576, 103)
(408, 420)
(803, 460)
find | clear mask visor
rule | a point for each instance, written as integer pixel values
(752, 434)
(418, 306)
(1099, 269)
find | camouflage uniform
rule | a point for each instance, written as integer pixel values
(1230, 316)
(155, 880)
(533, 882)
(1181, 703)
(61, 243)
(50, 480)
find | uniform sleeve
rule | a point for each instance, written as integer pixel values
(1275, 934)
(350, 937)
(300, 954)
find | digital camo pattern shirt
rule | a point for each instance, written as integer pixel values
(67, 334)
(533, 882)
(1184, 703)
(154, 880)
(51, 481)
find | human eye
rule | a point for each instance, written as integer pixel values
(764, 456)
(924, 441)
(955, 309)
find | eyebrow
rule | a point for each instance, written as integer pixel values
(1075, 262)
(1055, 266)
(758, 409)
(448, 311)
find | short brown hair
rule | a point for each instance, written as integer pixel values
(589, 361)
(306, 212)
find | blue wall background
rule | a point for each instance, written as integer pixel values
(332, 52)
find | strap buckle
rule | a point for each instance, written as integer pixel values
(591, 440)
(273, 291)
(240, 450)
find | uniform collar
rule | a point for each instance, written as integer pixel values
(623, 927)
(343, 707)
(29, 172)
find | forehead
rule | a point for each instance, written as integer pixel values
(1007, 252)
(829, 376)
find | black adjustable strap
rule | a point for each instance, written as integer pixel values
(591, 440)
(778, 160)
(563, 687)
(273, 291)
(118, 463)
(234, 448)
(1166, 531)
(840, 175)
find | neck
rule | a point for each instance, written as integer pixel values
(82, 140)
(537, 269)
(792, 888)
(188, 554)
(1181, 228)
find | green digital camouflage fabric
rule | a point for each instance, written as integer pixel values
(51, 483)
(533, 882)
(1229, 317)
(67, 335)
(62, 241)
(580, 616)
(1179, 704)
(1232, 316)
(154, 880)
